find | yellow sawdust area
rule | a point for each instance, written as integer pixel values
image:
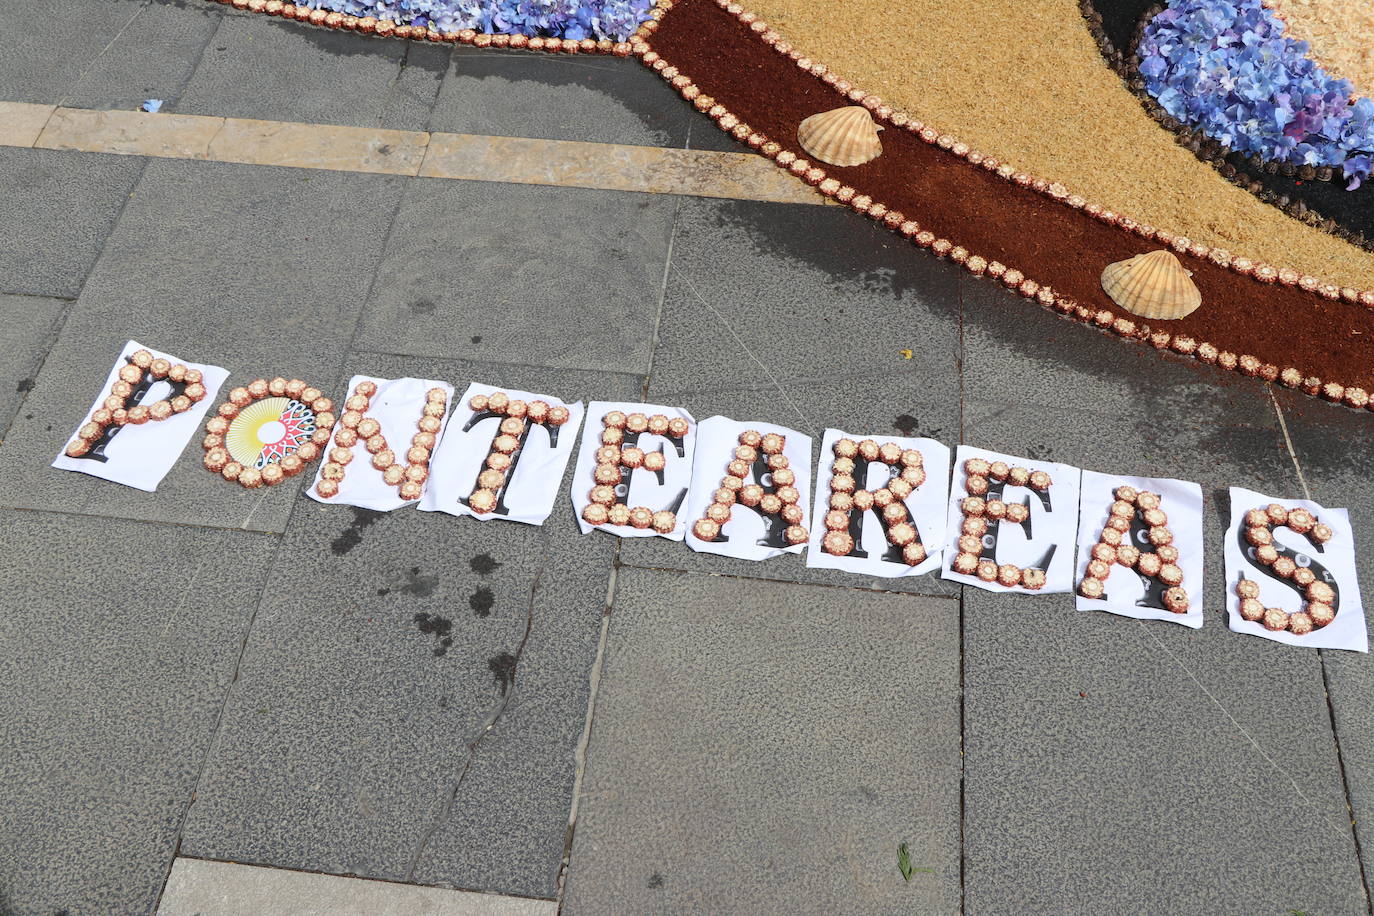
(1340, 33)
(1023, 80)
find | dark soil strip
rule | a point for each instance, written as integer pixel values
(1047, 240)
(1116, 25)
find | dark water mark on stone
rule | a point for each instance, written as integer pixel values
(482, 601)
(418, 585)
(483, 564)
(441, 628)
(502, 668)
(353, 534)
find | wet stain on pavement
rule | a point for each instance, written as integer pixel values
(503, 669)
(353, 534)
(482, 602)
(476, 338)
(483, 564)
(383, 592)
(25, 385)
(418, 585)
(655, 880)
(423, 307)
(906, 424)
(441, 628)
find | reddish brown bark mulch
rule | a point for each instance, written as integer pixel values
(1047, 240)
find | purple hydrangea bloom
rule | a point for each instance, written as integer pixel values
(615, 20)
(1226, 68)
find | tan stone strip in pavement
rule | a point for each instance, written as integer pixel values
(130, 133)
(200, 887)
(614, 167)
(21, 123)
(470, 157)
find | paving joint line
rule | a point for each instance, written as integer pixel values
(494, 364)
(662, 305)
(585, 739)
(218, 731)
(474, 744)
(1297, 789)
(1345, 782)
(81, 77)
(1288, 442)
(1326, 679)
(745, 347)
(744, 578)
(71, 513)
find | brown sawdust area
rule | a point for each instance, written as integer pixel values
(1340, 34)
(1022, 80)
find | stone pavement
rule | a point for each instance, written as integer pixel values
(209, 675)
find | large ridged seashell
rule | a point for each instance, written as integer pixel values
(1152, 285)
(845, 136)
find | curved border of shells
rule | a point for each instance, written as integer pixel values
(1011, 277)
(1126, 65)
(383, 28)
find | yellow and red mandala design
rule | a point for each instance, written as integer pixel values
(268, 430)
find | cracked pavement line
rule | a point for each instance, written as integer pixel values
(474, 743)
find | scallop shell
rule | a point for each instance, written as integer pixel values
(845, 136)
(1152, 285)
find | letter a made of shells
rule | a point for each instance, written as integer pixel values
(1259, 533)
(783, 501)
(293, 459)
(114, 410)
(979, 513)
(613, 460)
(356, 426)
(846, 497)
(1114, 546)
(508, 442)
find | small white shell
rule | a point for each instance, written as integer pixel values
(845, 136)
(1152, 285)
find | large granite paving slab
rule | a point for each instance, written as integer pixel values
(415, 687)
(100, 53)
(561, 277)
(262, 271)
(264, 67)
(59, 208)
(117, 643)
(762, 747)
(1122, 766)
(30, 324)
(595, 98)
(811, 318)
(1332, 447)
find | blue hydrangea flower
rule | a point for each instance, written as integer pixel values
(615, 20)
(1226, 68)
